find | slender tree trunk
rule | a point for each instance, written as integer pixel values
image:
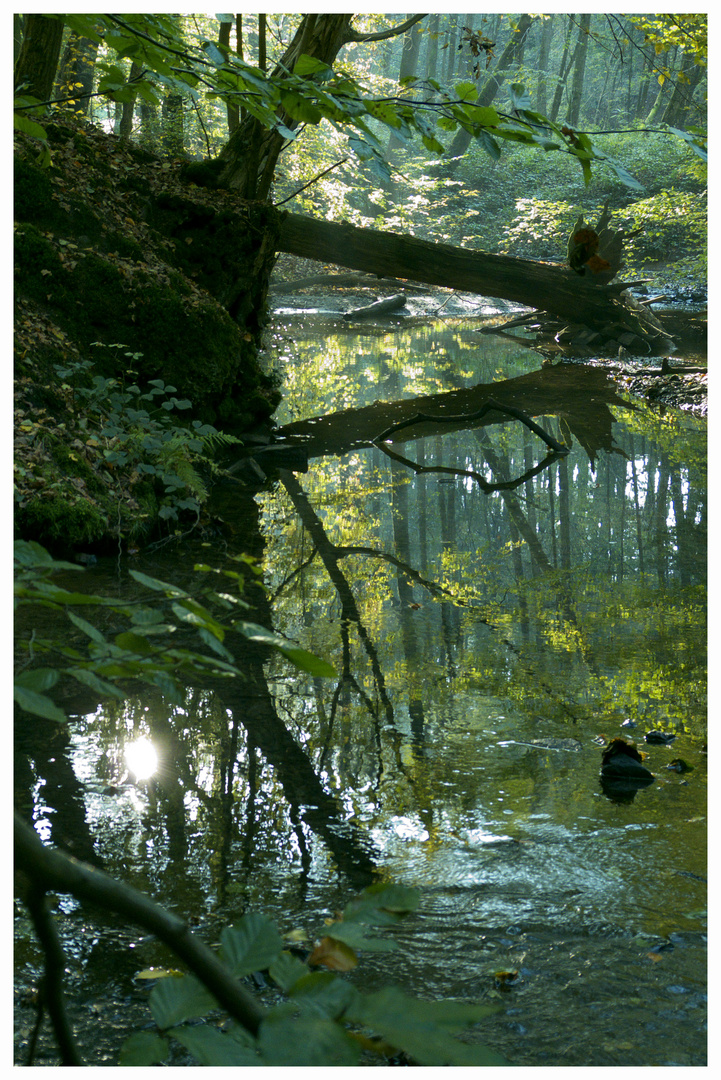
(173, 133)
(125, 127)
(432, 50)
(233, 109)
(544, 51)
(39, 53)
(409, 66)
(579, 69)
(562, 72)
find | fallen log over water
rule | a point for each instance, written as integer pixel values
(553, 287)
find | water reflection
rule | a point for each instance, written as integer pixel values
(142, 758)
(487, 647)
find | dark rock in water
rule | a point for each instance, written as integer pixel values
(660, 738)
(622, 761)
(620, 746)
(679, 765)
(626, 768)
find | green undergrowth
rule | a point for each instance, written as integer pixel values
(113, 463)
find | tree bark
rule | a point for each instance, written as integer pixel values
(39, 53)
(579, 69)
(77, 71)
(546, 286)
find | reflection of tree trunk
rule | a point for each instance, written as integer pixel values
(637, 505)
(660, 527)
(253, 705)
(402, 544)
(564, 514)
(62, 792)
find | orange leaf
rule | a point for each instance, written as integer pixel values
(333, 954)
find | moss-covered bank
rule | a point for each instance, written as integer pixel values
(115, 247)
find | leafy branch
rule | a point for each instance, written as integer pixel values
(324, 1021)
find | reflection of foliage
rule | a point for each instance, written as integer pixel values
(142, 652)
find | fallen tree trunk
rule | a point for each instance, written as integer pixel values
(550, 287)
(380, 307)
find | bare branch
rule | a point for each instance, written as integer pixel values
(382, 35)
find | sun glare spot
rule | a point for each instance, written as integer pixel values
(142, 758)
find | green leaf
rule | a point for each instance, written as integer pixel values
(424, 1029)
(466, 91)
(177, 999)
(143, 1048)
(353, 934)
(30, 553)
(383, 903)
(300, 657)
(323, 993)
(213, 1047)
(286, 970)
(155, 583)
(300, 108)
(519, 96)
(252, 944)
(23, 123)
(489, 144)
(307, 661)
(87, 628)
(309, 65)
(135, 643)
(38, 679)
(306, 1041)
(38, 704)
(101, 686)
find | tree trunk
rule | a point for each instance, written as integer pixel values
(125, 127)
(510, 57)
(39, 53)
(579, 69)
(544, 50)
(173, 137)
(77, 72)
(250, 155)
(546, 286)
(224, 40)
(562, 73)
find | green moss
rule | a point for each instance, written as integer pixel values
(55, 520)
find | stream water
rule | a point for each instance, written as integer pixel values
(488, 644)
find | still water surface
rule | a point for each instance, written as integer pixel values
(487, 644)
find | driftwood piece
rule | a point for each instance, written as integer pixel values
(381, 307)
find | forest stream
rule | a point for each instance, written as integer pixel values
(488, 645)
